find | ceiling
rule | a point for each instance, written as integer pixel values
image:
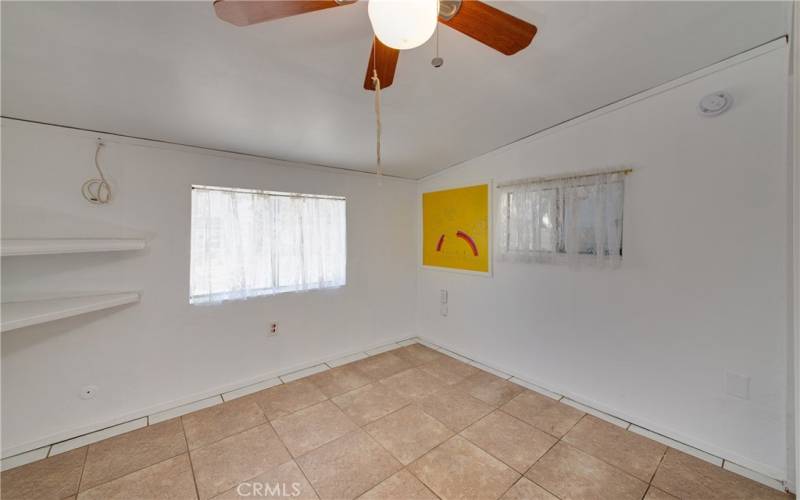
(292, 88)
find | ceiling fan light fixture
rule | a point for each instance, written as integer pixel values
(403, 24)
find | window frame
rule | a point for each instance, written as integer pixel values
(255, 293)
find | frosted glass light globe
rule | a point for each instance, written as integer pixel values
(403, 24)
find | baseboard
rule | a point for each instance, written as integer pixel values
(117, 425)
(742, 466)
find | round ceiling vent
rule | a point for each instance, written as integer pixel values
(715, 104)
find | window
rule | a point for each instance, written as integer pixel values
(248, 243)
(572, 216)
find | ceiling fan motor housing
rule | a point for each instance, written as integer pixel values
(448, 8)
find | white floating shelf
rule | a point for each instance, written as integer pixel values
(33, 312)
(10, 247)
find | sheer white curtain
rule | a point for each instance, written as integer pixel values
(248, 243)
(577, 218)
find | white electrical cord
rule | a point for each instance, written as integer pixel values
(97, 190)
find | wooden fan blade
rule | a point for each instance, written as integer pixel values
(500, 31)
(247, 12)
(386, 60)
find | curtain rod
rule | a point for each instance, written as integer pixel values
(269, 193)
(534, 180)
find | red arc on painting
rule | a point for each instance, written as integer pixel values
(463, 236)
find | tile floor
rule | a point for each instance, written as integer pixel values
(405, 424)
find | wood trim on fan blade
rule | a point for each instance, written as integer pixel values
(500, 31)
(247, 12)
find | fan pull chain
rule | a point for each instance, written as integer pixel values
(97, 190)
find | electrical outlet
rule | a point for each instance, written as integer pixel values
(272, 331)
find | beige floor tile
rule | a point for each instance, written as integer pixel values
(655, 494)
(441, 373)
(340, 380)
(497, 392)
(413, 384)
(525, 489)
(417, 354)
(514, 442)
(448, 370)
(220, 421)
(370, 403)
(568, 472)
(687, 477)
(283, 481)
(222, 465)
(312, 427)
(408, 433)
(631, 452)
(454, 408)
(129, 452)
(543, 413)
(401, 486)
(477, 379)
(348, 467)
(171, 479)
(382, 365)
(52, 478)
(288, 398)
(459, 469)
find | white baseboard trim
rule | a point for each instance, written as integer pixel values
(183, 410)
(381, 349)
(773, 476)
(346, 359)
(755, 476)
(65, 441)
(305, 372)
(689, 450)
(250, 389)
(597, 413)
(94, 437)
(536, 388)
(24, 458)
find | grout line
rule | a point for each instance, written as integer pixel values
(660, 461)
(83, 470)
(189, 454)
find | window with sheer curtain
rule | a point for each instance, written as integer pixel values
(576, 217)
(248, 243)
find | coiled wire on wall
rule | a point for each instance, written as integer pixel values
(97, 190)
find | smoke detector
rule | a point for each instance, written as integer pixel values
(715, 104)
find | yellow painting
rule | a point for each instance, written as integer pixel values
(455, 228)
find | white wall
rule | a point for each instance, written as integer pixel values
(163, 351)
(704, 283)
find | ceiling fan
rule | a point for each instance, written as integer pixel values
(398, 25)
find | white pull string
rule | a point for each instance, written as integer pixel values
(97, 190)
(377, 82)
